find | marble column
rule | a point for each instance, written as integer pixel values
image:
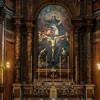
(17, 52)
(29, 49)
(18, 19)
(29, 25)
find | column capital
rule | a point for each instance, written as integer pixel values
(77, 22)
(89, 19)
(89, 23)
(17, 20)
(30, 18)
(29, 24)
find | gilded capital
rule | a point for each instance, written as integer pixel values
(29, 24)
(29, 27)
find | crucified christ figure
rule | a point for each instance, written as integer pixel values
(53, 41)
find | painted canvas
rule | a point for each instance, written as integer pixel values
(53, 30)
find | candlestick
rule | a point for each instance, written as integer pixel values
(38, 61)
(31, 68)
(60, 66)
(38, 67)
(68, 66)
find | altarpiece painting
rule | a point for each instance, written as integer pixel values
(53, 31)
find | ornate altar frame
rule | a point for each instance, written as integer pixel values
(80, 85)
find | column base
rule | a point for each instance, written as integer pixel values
(16, 92)
(90, 91)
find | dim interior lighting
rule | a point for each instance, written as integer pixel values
(8, 64)
(98, 66)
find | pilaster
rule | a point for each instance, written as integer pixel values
(89, 48)
(78, 23)
(17, 48)
(89, 26)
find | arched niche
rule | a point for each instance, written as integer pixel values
(53, 40)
